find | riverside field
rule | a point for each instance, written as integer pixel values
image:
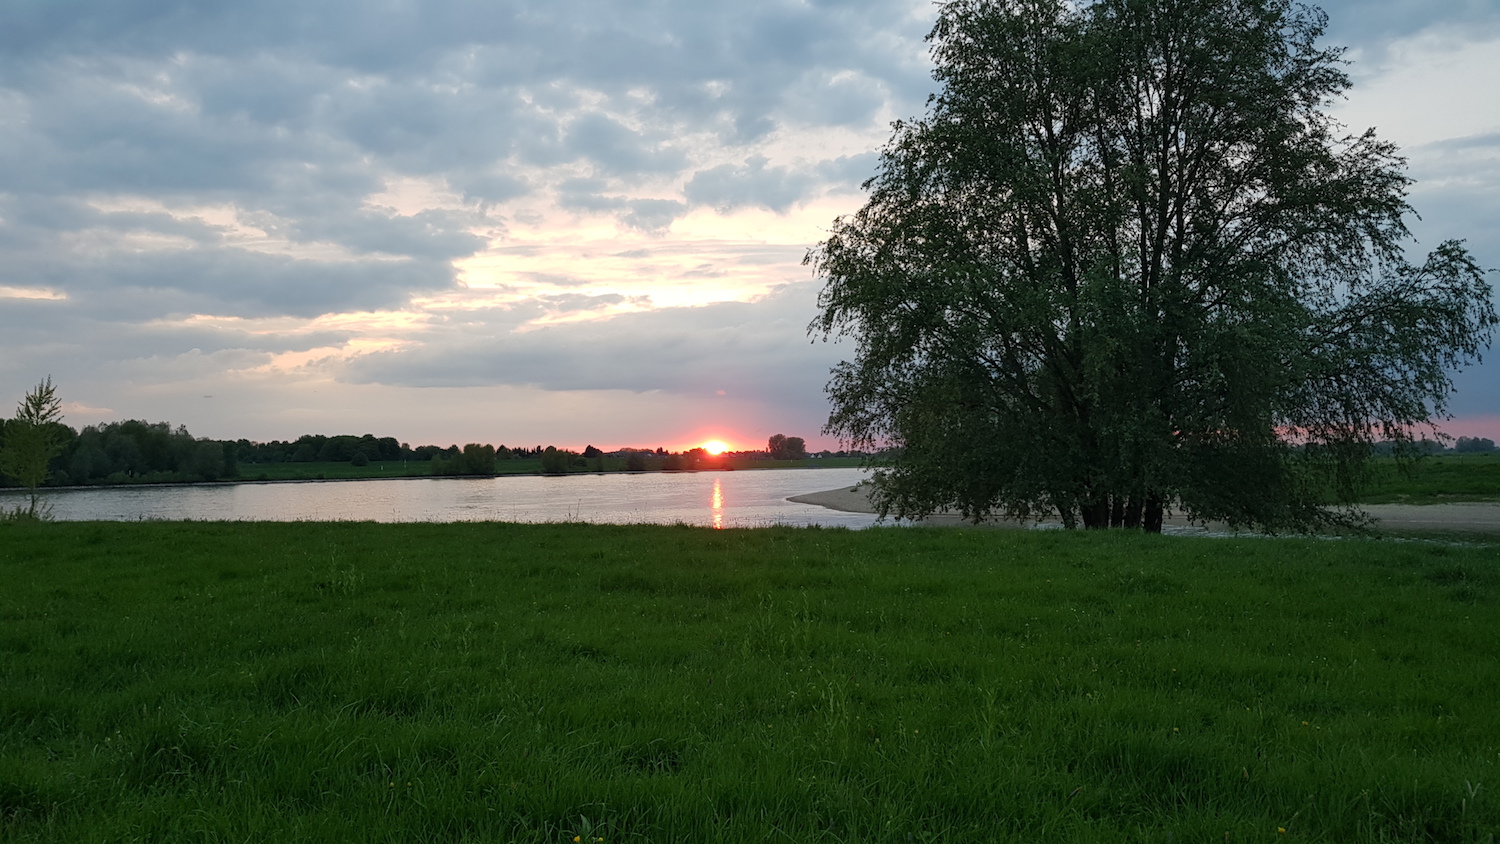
(552, 683)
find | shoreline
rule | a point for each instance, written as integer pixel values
(236, 481)
(1458, 516)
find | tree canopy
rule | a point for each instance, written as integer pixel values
(783, 447)
(1127, 262)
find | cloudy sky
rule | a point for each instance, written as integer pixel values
(518, 221)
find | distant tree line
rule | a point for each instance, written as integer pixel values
(136, 451)
(344, 448)
(1462, 445)
(127, 452)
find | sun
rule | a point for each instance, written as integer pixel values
(715, 447)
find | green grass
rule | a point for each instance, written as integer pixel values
(532, 683)
(337, 471)
(1434, 480)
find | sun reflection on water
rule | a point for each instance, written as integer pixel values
(716, 504)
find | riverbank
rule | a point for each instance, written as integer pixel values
(533, 683)
(1452, 517)
(253, 473)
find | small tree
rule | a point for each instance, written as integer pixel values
(31, 441)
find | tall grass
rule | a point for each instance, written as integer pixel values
(494, 682)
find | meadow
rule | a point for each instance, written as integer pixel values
(551, 683)
(1435, 480)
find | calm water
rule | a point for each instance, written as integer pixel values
(718, 499)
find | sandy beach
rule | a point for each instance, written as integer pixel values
(1475, 517)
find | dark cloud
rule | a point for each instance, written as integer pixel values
(1365, 24)
(649, 215)
(730, 186)
(754, 350)
(294, 113)
(438, 236)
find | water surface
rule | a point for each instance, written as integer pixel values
(714, 499)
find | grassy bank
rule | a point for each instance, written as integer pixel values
(1434, 480)
(489, 682)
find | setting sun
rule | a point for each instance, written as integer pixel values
(715, 447)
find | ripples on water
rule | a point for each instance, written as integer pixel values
(715, 499)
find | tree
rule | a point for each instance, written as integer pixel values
(32, 440)
(796, 448)
(477, 459)
(1127, 263)
(783, 447)
(555, 462)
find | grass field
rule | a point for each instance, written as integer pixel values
(553, 683)
(1434, 480)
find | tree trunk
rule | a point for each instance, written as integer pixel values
(1155, 512)
(1096, 514)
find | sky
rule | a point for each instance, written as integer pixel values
(566, 222)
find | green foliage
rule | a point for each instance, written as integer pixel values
(1127, 260)
(475, 459)
(555, 461)
(492, 682)
(136, 451)
(32, 439)
(312, 448)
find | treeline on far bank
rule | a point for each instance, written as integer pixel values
(139, 452)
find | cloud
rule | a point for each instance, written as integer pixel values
(1367, 25)
(728, 186)
(747, 349)
(534, 189)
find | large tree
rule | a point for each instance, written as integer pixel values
(1127, 262)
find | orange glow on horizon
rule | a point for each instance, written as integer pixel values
(715, 447)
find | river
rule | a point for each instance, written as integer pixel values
(753, 498)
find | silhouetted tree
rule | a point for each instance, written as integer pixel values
(782, 447)
(1128, 260)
